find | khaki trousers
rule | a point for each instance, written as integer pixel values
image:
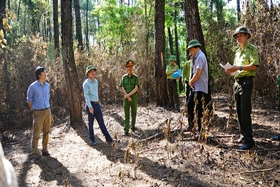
(41, 122)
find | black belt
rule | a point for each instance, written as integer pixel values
(95, 102)
(244, 78)
(41, 109)
(171, 79)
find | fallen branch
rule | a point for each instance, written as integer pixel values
(158, 135)
(254, 171)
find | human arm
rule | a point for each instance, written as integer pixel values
(244, 67)
(86, 94)
(170, 69)
(195, 78)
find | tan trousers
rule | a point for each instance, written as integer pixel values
(41, 122)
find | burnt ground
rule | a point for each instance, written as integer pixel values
(151, 158)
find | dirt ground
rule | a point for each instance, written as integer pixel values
(149, 158)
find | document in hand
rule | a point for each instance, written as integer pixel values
(227, 66)
(177, 74)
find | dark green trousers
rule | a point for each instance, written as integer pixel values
(130, 106)
(243, 92)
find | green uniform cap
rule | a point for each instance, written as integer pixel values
(172, 57)
(241, 29)
(193, 43)
(90, 67)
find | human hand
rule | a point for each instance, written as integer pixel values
(91, 110)
(191, 84)
(129, 99)
(232, 69)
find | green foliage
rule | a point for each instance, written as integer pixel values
(117, 28)
(217, 23)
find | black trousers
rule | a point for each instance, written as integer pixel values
(188, 89)
(243, 92)
(173, 93)
(191, 104)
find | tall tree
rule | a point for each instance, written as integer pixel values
(2, 15)
(192, 18)
(87, 39)
(73, 91)
(55, 28)
(159, 56)
(194, 31)
(79, 36)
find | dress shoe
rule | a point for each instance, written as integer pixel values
(109, 140)
(45, 153)
(240, 140)
(93, 143)
(247, 146)
(277, 137)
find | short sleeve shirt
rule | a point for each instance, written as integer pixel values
(129, 82)
(246, 56)
(200, 62)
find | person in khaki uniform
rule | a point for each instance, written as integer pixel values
(245, 62)
(38, 98)
(172, 84)
(129, 87)
(186, 76)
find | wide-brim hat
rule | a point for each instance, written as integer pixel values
(90, 67)
(193, 43)
(172, 57)
(129, 63)
(241, 29)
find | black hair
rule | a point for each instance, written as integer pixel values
(38, 71)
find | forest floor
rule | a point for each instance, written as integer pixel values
(143, 159)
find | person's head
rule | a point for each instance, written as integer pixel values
(90, 71)
(241, 35)
(40, 73)
(129, 66)
(172, 59)
(193, 47)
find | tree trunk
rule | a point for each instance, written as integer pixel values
(55, 28)
(170, 41)
(87, 40)
(159, 57)
(238, 10)
(78, 25)
(73, 91)
(2, 16)
(194, 31)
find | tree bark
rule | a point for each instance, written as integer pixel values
(55, 28)
(87, 39)
(2, 15)
(78, 25)
(159, 56)
(194, 31)
(170, 41)
(73, 91)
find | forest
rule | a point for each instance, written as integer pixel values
(67, 36)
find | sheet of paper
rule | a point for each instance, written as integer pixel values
(227, 66)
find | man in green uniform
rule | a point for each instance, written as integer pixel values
(172, 84)
(246, 62)
(129, 87)
(186, 76)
